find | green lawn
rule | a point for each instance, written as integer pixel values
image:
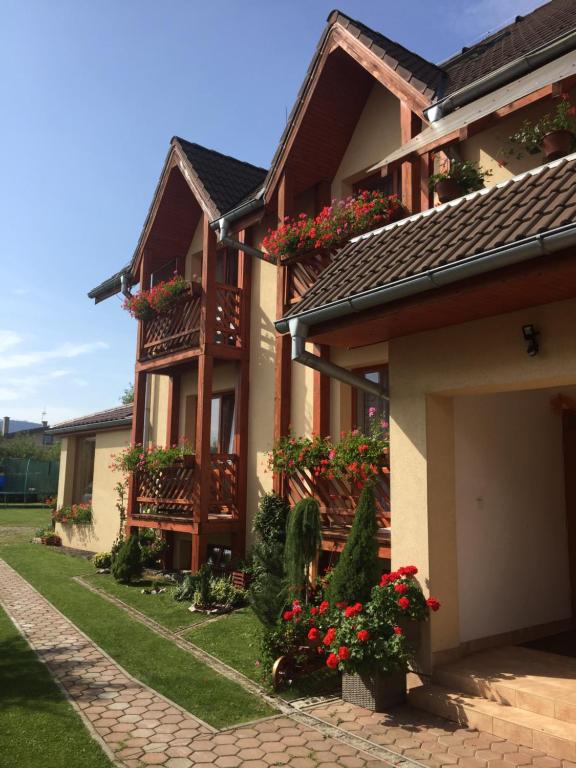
(149, 657)
(235, 639)
(32, 517)
(162, 608)
(38, 726)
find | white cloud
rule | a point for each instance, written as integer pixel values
(26, 359)
(20, 291)
(24, 387)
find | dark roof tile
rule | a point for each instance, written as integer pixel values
(112, 417)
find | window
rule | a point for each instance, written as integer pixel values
(222, 423)
(165, 273)
(375, 181)
(362, 402)
(84, 469)
(227, 267)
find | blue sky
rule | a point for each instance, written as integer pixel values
(91, 93)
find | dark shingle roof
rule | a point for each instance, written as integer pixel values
(109, 419)
(527, 33)
(524, 206)
(227, 181)
(416, 70)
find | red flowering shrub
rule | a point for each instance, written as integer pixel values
(334, 225)
(76, 513)
(356, 456)
(159, 299)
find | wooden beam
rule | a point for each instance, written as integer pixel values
(138, 416)
(426, 170)
(203, 414)
(208, 310)
(410, 126)
(321, 382)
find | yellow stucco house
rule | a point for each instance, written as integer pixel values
(456, 322)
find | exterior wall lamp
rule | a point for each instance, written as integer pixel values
(531, 338)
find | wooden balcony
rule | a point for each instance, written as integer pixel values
(175, 330)
(179, 329)
(303, 272)
(338, 499)
(173, 493)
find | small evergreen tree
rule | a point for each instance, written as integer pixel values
(303, 537)
(266, 593)
(358, 569)
(127, 563)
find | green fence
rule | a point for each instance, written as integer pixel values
(28, 479)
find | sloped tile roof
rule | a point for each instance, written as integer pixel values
(227, 181)
(416, 70)
(111, 418)
(525, 34)
(526, 205)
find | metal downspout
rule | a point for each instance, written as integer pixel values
(300, 354)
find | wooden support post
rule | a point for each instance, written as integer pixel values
(283, 367)
(242, 400)
(173, 426)
(410, 125)
(137, 435)
(204, 400)
(426, 170)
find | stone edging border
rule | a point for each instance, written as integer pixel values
(286, 709)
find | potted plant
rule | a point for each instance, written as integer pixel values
(159, 300)
(457, 178)
(554, 134)
(75, 513)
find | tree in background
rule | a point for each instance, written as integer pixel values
(303, 537)
(358, 569)
(128, 395)
(27, 448)
(267, 593)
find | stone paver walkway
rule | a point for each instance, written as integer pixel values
(138, 726)
(432, 741)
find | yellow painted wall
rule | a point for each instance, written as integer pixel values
(193, 264)
(223, 380)
(102, 532)
(376, 135)
(426, 371)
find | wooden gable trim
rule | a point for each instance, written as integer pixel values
(338, 37)
(175, 159)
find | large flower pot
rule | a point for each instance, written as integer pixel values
(557, 144)
(374, 690)
(448, 189)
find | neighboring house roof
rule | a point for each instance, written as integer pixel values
(526, 205)
(226, 180)
(525, 34)
(112, 418)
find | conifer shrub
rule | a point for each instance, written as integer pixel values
(358, 569)
(303, 537)
(266, 593)
(127, 563)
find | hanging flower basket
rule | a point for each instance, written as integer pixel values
(448, 189)
(159, 300)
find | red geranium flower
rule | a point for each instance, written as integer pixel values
(343, 653)
(404, 603)
(432, 603)
(313, 634)
(288, 615)
(323, 607)
(332, 661)
(363, 635)
(398, 630)
(329, 636)
(400, 588)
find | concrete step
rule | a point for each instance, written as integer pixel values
(539, 682)
(520, 726)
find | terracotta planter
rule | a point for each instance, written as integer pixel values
(374, 690)
(557, 144)
(448, 189)
(51, 541)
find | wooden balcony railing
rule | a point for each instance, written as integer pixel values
(338, 499)
(175, 330)
(228, 326)
(303, 273)
(178, 329)
(174, 492)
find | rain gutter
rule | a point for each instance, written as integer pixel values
(502, 76)
(299, 325)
